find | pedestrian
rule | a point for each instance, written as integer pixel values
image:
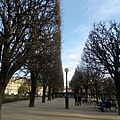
(76, 98)
(108, 104)
(79, 99)
(103, 104)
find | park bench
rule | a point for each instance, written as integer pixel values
(113, 106)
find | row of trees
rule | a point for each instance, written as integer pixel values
(30, 38)
(92, 84)
(101, 56)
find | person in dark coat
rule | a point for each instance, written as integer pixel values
(79, 99)
(76, 99)
(108, 104)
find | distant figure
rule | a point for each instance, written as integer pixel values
(103, 104)
(76, 99)
(79, 99)
(108, 104)
(85, 99)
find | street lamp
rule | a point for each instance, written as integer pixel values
(66, 97)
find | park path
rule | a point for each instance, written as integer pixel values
(54, 110)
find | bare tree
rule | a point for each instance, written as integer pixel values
(96, 70)
(103, 47)
(108, 87)
(82, 79)
(18, 34)
(47, 57)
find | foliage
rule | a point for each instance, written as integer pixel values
(23, 89)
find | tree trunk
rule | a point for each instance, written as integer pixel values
(44, 91)
(33, 89)
(81, 90)
(2, 89)
(53, 94)
(86, 91)
(96, 89)
(118, 98)
(117, 83)
(32, 98)
(49, 93)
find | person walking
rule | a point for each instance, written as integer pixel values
(79, 99)
(76, 99)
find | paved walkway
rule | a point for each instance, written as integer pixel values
(54, 110)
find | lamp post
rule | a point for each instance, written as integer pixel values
(66, 97)
(0, 64)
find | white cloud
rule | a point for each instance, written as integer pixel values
(82, 28)
(109, 9)
(102, 10)
(71, 59)
(73, 56)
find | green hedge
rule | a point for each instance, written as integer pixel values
(14, 99)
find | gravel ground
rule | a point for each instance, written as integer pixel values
(55, 110)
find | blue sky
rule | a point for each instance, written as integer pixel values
(78, 17)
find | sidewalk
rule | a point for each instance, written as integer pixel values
(54, 110)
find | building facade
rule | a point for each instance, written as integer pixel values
(13, 86)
